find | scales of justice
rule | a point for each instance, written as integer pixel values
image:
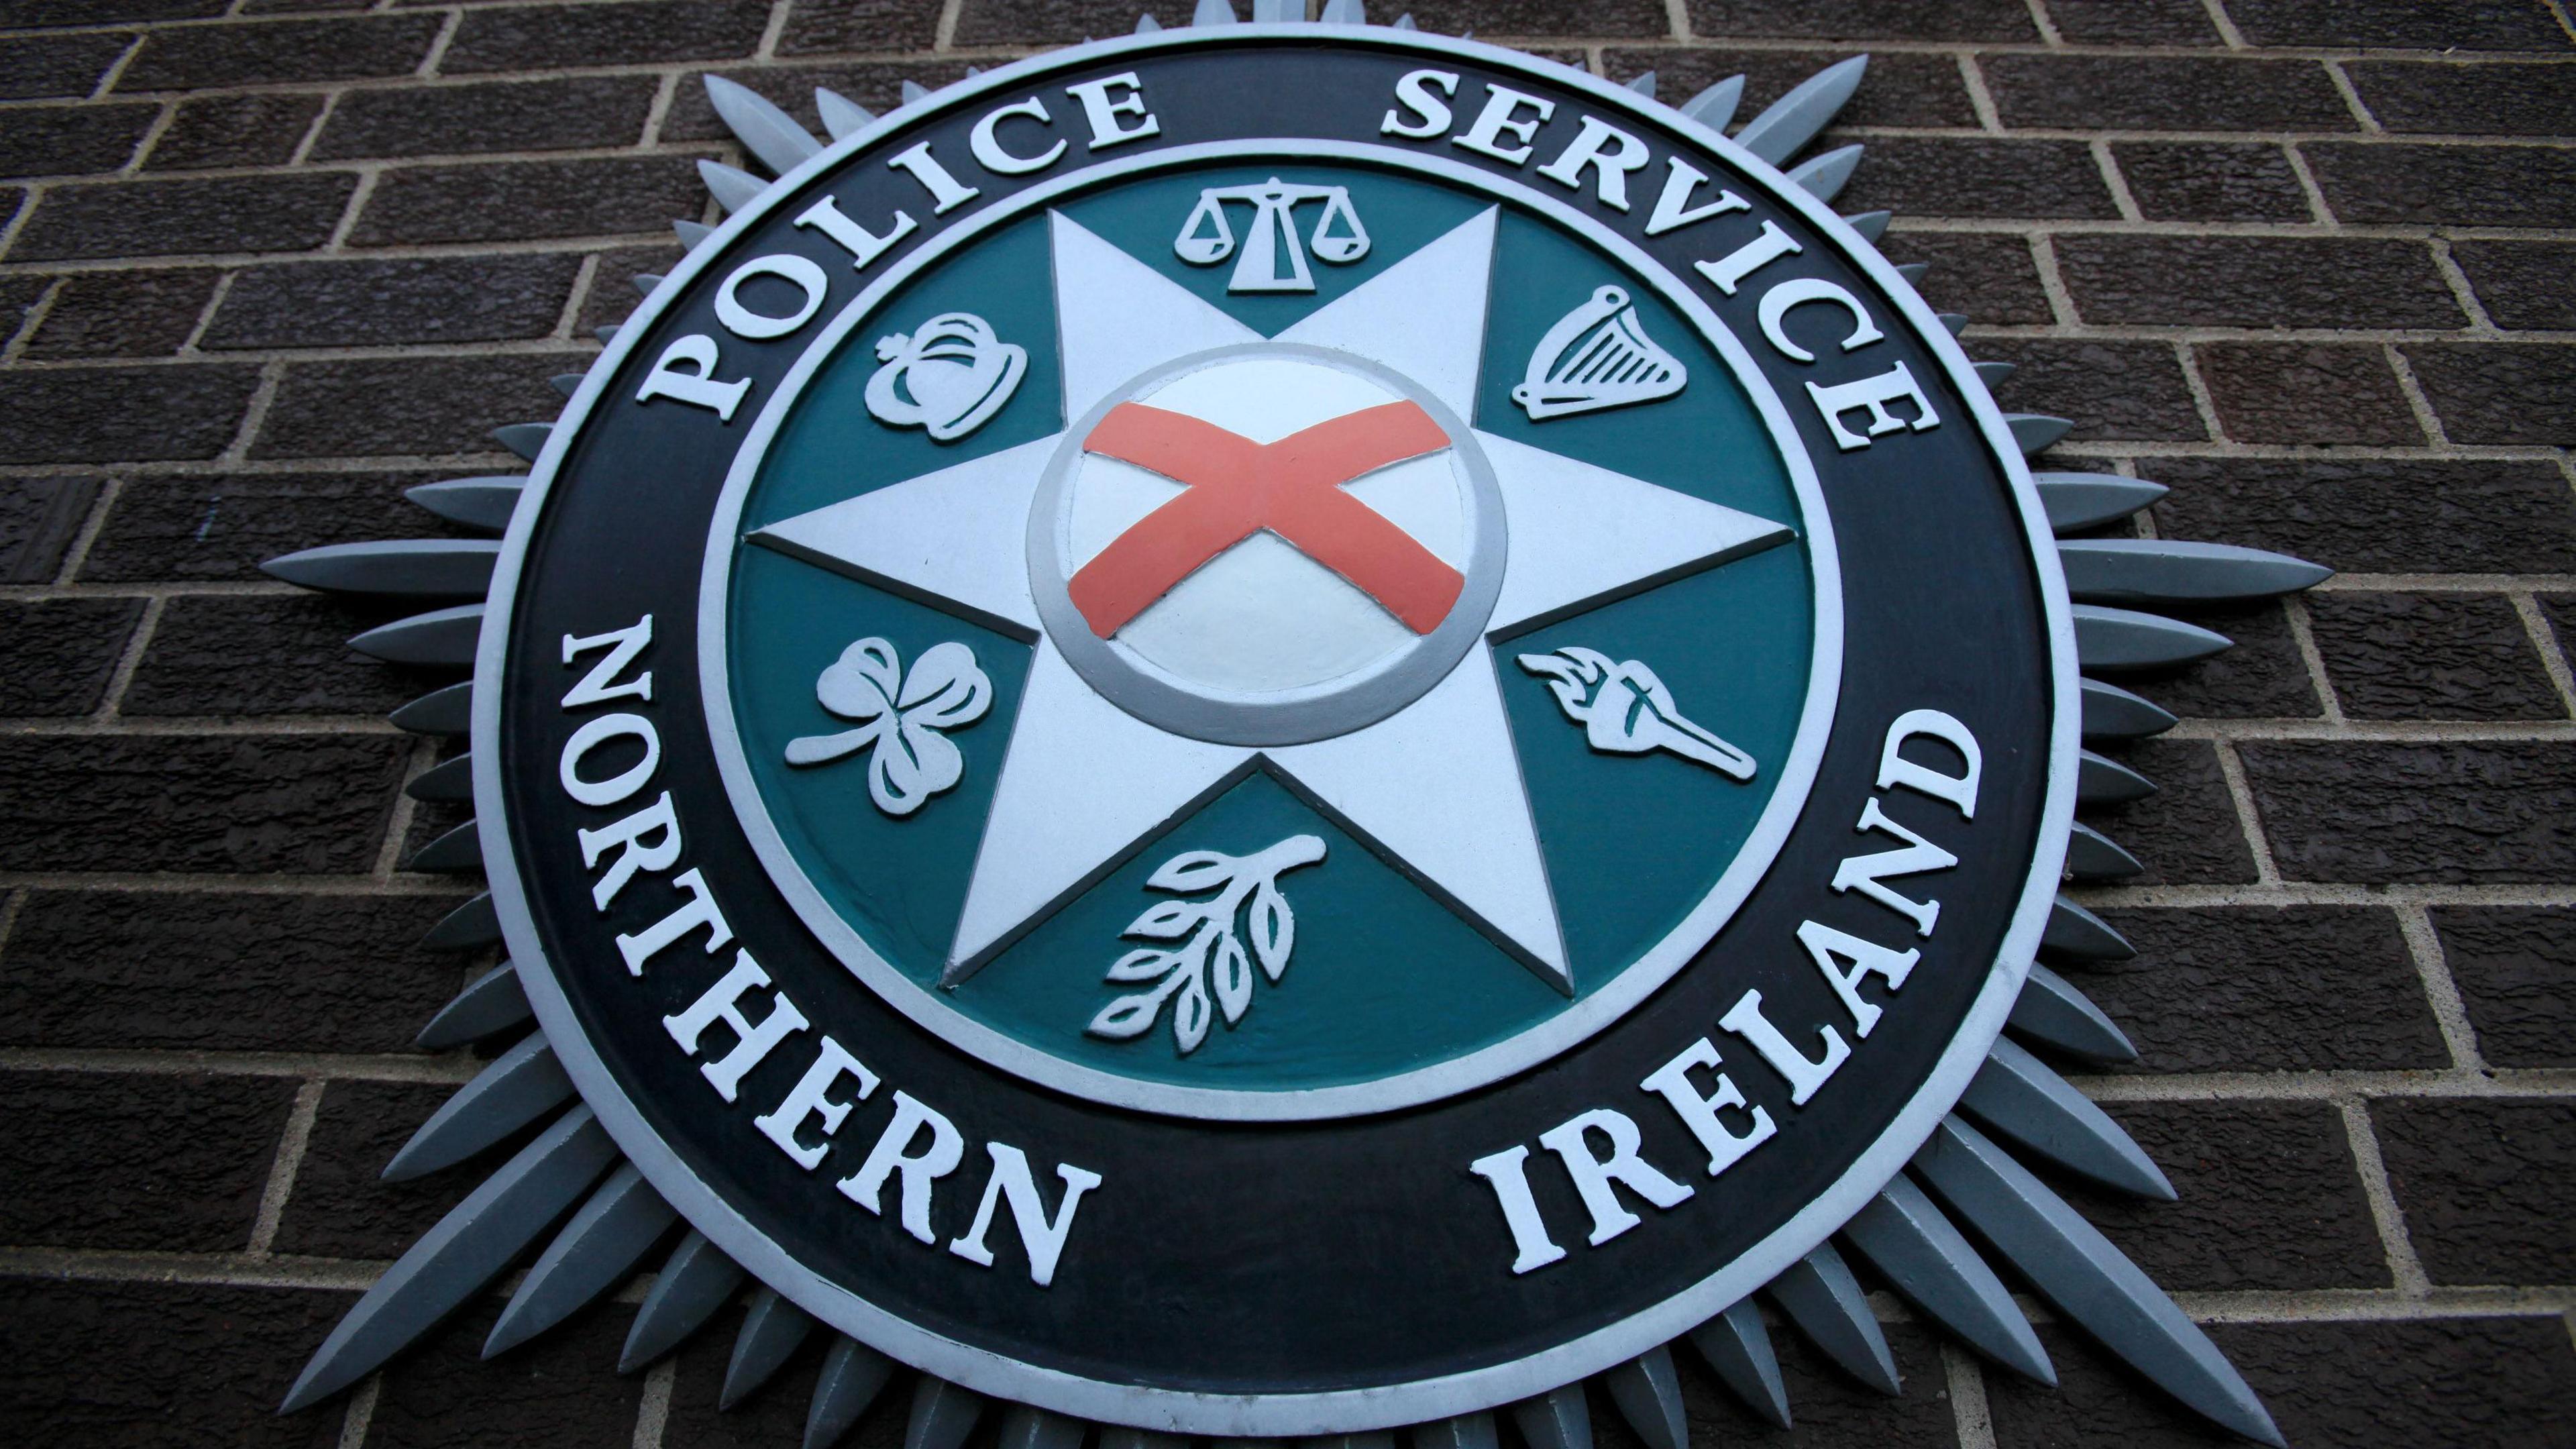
(1207, 238)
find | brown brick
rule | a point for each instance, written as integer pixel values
(2269, 1199)
(217, 527)
(2262, 677)
(2446, 185)
(408, 405)
(2374, 516)
(57, 655)
(39, 519)
(220, 656)
(2170, 94)
(92, 1362)
(773, 1416)
(46, 66)
(2407, 24)
(109, 1160)
(2167, 281)
(267, 52)
(2460, 1383)
(518, 200)
(123, 314)
(2509, 392)
(2110, 389)
(2133, 22)
(2449, 812)
(377, 304)
(18, 293)
(555, 1391)
(167, 218)
(71, 140)
(821, 27)
(540, 37)
(340, 1208)
(1934, 176)
(210, 971)
(1901, 89)
(2188, 832)
(2431, 656)
(612, 293)
(1856, 19)
(252, 804)
(2515, 967)
(2484, 1186)
(877, 85)
(254, 130)
(545, 115)
(1991, 278)
(16, 14)
(2521, 284)
(2306, 392)
(2211, 181)
(106, 414)
(2267, 989)
(2494, 99)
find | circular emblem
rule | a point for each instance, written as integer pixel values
(1275, 769)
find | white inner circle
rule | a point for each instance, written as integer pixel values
(1262, 617)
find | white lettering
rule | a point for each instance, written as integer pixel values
(699, 911)
(741, 321)
(1870, 872)
(1895, 769)
(1873, 393)
(1610, 152)
(1042, 1237)
(599, 732)
(1699, 1113)
(697, 388)
(1593, 1176)
(1508, 1175)
(937, 1159)
(1804, 1076)
(1103, 113)
(1777, 302)
(1728, 272)
(632, 853)
(812, 1097)
(1497, 119)
(752, 1040)
(1680, 180)
(597, 687)
(946, 191)
(988, 147)
(1431, 114)
(1829, 946)
(863, 245)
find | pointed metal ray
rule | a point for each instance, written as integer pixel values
(470, 925)
(1715, 106)
(691, 233)
(2103, 781)
(2015, 1096)
(458, 849)
(2034, 431)
(1467, 1431)
(1992, 374)
(912, 91)
(1826, 1305)
(525, 439)
(2091, 856)
(842, 117)
(1914, 273)
(606, 335)
(395, 568)
(448, 711)
(764, 130)
(1345, 12)
(1146, 24)
(521, 1085)
(1870, 224)
(1926, 1259)
(943, 1414)
(446, 780)
(474, 502)
(1212, 12)
(1825, 176)
(1648, 1394)
(771, 1331)
(645, 282)
(2077, 501)
(2126, 639)
(1028, 1427)
(1953, 323)
(469, 1248)
(2053, 1013)
(2078, 935)
(1278, 12)
(621, 1222)
(2084, 1277)
(1557, 1419)
(493, 1004)
(1794, 119)
(1404, 22)
(1642, 83)
(731, 186)
(1737, 1345)
(853, 1375)
(695, 1281)
(2165, 571)
(566, 383)
(2111, 712)
(443, 638)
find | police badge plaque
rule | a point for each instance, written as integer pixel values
(1283, 730)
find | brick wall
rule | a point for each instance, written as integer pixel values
(2311, 262)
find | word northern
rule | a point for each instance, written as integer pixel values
(741, 1018)
(1846, 963)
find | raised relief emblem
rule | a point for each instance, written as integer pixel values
(1597, 356)
(903, 718)
(948, 376)
(1274, 256)
(1625, 710)
(1211, 963)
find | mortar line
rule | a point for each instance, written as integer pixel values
(2117, 183)
(2568, 24)
(2421, 405)
(291, 1145)
(2224, 25)
(437, 53)
(361, 1413)
(249, 885)
(142, 1061)
(653, 1407)
(23, 335)
(127, 662)
(359, 196)
(150, 138)
(2352, 98)
(943, 36)
(659, 111)
(115, 72)
(2543, 1084)
(2248, 819)
(584, 277)
(2303, 634)
(2047, 25)
(77, 556)
(2404, 1269)
(770, 30)
(312, 136)
(1677, 19)
(254, 413)
(2203, 401)
(424, 753)
(2441, 992)
(2553, 656)
(9, 911)
(215, 296)
(2461, 292)
(1970, 1415)
(1980, 99)
(2061, 302)
(2318, 210)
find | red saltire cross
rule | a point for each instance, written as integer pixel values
(1238, 487)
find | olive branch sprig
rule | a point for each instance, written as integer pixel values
(1210, 945)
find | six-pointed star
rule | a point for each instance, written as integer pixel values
(1435, 786)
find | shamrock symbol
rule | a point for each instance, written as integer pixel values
(902, 715)
(1625, 710)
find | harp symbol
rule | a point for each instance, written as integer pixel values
(1597, 356)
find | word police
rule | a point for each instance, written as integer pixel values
(1023, 138)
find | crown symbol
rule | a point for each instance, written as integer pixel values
(949, 376)
(1597, 356)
